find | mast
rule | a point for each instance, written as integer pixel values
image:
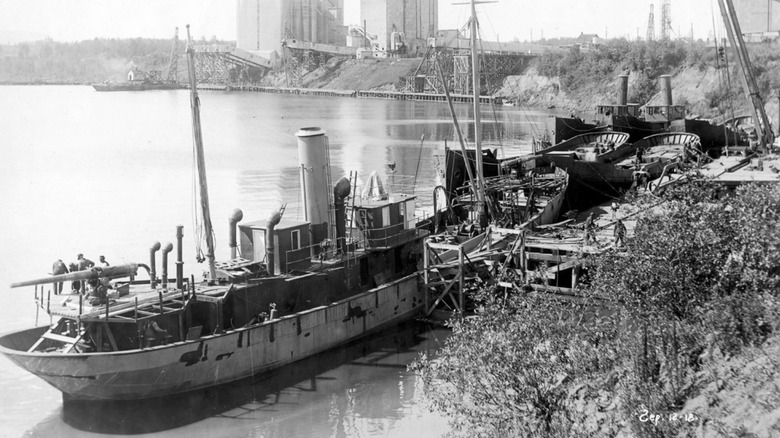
(760, 119)
(472, 179)
(200, 160)
(477, 120)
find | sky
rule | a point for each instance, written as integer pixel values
(74, 20)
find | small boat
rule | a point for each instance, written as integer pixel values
(136, 85)
(291, 289)
(491, 201)
(604, 165)
(599, 147)
(152, 80)
(641, 121)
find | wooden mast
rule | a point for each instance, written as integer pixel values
(481, 213)
(200, 160)
(472, 179)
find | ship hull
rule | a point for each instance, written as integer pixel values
(135, 87)
(217, 359)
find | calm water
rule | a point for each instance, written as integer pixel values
(111, 173)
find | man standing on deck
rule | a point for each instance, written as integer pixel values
(81, 264)
(620, 233)
(103, 262)
(590, 230)
(58, 268)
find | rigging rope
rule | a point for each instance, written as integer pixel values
(196, 226)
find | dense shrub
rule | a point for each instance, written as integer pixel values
(581, 69)
(699, 279)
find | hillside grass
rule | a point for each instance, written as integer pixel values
(701, 77)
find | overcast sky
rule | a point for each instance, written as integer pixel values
(73, 20)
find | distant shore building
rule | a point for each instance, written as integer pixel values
(262, 24)
(391, 21)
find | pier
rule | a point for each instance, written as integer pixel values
(366, 94)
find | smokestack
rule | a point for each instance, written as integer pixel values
(623, 90)
(168, 248)
(152, 264)
(666, 90)
(233, 220)
(273, 221)
(315, 171)
(340, 191)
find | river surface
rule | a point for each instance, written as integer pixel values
(111, 173)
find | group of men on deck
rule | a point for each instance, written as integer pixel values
(81, 264)
(619, 231)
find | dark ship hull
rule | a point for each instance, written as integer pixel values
(136, 86)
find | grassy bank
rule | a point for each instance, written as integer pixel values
(701, 79)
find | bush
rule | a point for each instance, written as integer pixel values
(580, 70)
(699, 279)
(508, 370)
(701, 274)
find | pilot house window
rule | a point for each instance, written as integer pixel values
(295, 239)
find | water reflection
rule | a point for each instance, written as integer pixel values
(344, 392)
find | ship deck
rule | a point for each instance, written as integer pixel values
(736, 169)
(75, 306)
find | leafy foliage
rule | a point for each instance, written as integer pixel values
(582, 69)
(699, 279)
(506, 371)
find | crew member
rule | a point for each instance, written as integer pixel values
(98, 292)
(614, 207)
(103, 262)
(590, 230)
(620, 233)
(81, 264)
(58, 268)
(753, 137)
(152, 332)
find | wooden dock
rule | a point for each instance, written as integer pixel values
(364, 94)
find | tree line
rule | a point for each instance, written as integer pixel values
(85, 62)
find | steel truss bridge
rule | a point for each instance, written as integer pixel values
(456, 69)
(216, 63)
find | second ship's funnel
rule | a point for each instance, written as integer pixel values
(313, 155)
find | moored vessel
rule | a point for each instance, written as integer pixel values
(291, 289)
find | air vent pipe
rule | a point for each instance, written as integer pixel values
(168, 248)
(273, 221)
(153, 264)
(340, 192)
(234, 219)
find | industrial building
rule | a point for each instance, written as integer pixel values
(391, 26)
(262, 24)
(411, 22)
